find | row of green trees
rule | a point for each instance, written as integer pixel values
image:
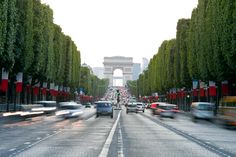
(204, 49)
(31, 43)
(91, 84)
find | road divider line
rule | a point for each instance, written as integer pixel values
(120, 143)
(33, 144)
(107, 144)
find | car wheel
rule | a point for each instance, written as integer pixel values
(112, 116)
(194, 119)
(97, 115)
(143, 110)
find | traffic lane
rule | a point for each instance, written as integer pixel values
(205, 130)
(16, 136)
(84, 138)
(143, 137)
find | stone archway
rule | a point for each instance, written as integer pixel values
(118, 62)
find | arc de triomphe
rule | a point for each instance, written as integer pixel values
(118, 62)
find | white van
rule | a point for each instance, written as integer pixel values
(202, 110)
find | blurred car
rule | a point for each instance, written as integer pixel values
(131, 107)
(87, 105)
(48, 107)
(69, 110)
(202, 110)
(140, 106)
(166, 110)
(227, 111)
(104, 108)
(154, 107)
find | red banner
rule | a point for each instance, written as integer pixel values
(36, 90)
(4, 84)
(19, 82)
(202, 92)
(225, 88)
(19, 87)
(195, 92)
(44, 91)
(212, 91)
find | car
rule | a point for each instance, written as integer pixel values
(131, 107)
(202, 110)
(226, 114)
(88, 105)
(154, 107)
(48, 107)
(104, 108)
(69, 110)
(167, 110)
(140, 106)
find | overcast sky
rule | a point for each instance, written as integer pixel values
(131, 28)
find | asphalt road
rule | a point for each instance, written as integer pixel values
(126, 135)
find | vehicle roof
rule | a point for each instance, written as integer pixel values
(203, 103)
(103, 102)
(166, 104)
(158, 103)
(45, 102)
(69, 104)
(229, 99)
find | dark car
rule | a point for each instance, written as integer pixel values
(87, 105)
(104, 108)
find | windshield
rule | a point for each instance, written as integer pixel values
(132, 105)
(205, 107)
(103, 105)
(166, 107)
(70, 107)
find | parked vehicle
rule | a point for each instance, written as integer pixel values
(131, 107)
(69, 110)
(202, 110)
(227, 111)
(166, 110)
(104, 108)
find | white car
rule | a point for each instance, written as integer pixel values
(202, 110)
(70, 110)
(140, 106)
(131, 107)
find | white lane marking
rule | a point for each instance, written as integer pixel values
(107, 144)
(120, 143)
(33, 144)
(26, 143)
(11, 150)
(39, 138)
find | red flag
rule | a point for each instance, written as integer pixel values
(19, 82)
(224, 88)
(212, 88)
(44, 89)
(4, 85)
(36, 89)
(194, 92)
